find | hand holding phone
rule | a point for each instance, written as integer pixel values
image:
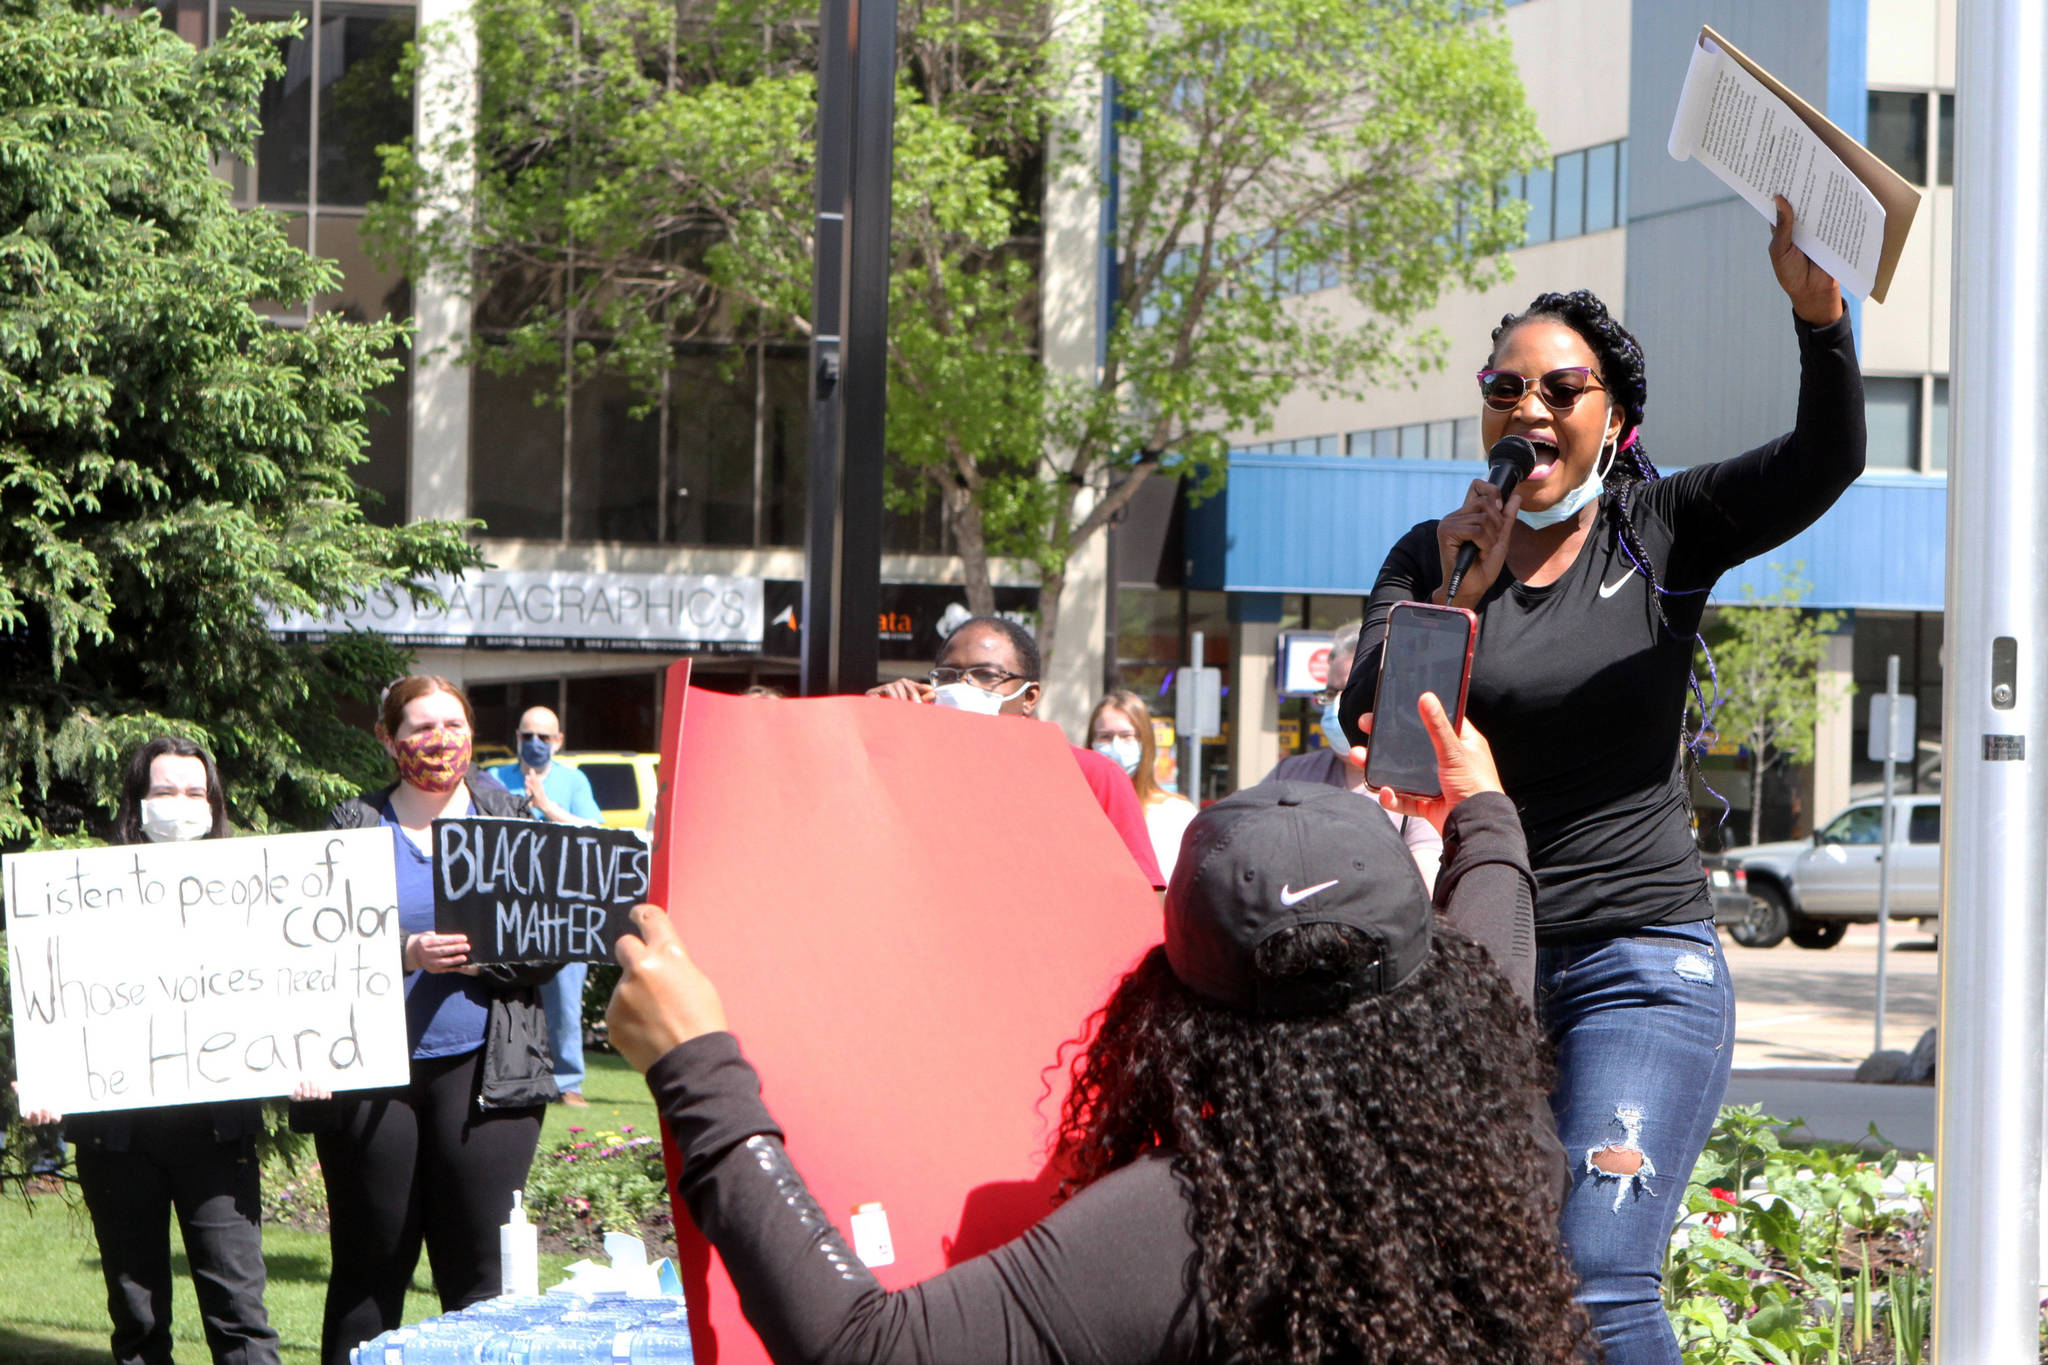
(1428, 649)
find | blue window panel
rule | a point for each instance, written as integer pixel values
(1442, 440)
(1570, 207)
(1600, 187)
(1538, 193)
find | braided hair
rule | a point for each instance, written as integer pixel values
(1620, 358)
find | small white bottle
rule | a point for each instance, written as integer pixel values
(518, 1251)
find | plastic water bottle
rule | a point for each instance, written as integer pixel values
(658, 1346)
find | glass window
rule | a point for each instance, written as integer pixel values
(1538, 194)
(1923, 826)
(515, 455)
(1358, 443)
(785, 444)
(387, 443)
(612, 785)
(1465, 443)
(1415, 442)
(1570, 209)
(1898, 131)
(284, 142)
(1386, 444)
(361, 48)
(1600, 213)
(368, 291)
(1621, 181)
(711, 451)
(614, 464)
(1858, 825)
(1891, 410)
(1945, 142)
(620, 711)
(1443, 441)
(1937, 434)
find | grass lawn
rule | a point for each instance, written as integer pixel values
(55, 1300)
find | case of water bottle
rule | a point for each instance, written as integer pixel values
(547, 1329)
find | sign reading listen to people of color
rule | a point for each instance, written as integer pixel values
(525, 891)
(157, 974)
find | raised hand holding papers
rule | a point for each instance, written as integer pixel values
(1853, 212)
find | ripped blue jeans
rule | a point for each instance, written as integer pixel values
(1643, 1027)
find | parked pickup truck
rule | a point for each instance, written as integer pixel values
(1811, 891)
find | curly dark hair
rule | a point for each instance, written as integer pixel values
(135, 786)
(1366, 1184)
(1623, 371)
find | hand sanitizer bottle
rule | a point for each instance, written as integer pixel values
(518, 1251)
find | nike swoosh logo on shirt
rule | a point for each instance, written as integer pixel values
(1609, 589)
(1292, 898)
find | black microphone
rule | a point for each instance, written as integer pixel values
(1507, 464)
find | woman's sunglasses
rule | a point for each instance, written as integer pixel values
(1560, 390)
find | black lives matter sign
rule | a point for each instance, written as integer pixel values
(525, 891)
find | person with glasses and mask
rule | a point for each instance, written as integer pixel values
(1589, 585)
(989, 666)
(561, 795)
(1337, 764)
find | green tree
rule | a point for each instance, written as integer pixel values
(645, 177)
(173, 467)
(1767, 656)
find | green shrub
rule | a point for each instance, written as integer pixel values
(1785, 1235)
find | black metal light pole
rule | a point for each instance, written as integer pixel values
(849, 356)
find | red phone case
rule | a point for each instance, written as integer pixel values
(1457, 709)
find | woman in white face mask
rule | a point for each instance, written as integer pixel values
(1121, 729)
(136, 1167)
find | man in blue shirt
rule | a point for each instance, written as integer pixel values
(561, 794)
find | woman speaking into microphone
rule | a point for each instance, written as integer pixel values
(1589, 581)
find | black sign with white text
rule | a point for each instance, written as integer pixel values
(527, 891)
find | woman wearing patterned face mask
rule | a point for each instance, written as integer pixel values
(434, 1161)
(1121, 730)
(136, 1167)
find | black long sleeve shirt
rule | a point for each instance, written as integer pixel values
(1103, 1278)
(1579, 688)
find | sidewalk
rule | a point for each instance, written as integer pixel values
(1837, 1109)
(1803, 1020)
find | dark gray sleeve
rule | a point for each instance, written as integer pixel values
(1104, 1278)
(1485, 889)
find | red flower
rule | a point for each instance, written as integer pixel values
(1715, 1232)
(1725, 1196)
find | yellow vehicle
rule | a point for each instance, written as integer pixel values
(623, 783)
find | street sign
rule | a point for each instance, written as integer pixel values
(1893, 733)
(1198, 702)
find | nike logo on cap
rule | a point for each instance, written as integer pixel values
(1609, 589)
(1291, 898)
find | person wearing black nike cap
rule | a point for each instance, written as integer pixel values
(1590, 584)
(1299, 1131)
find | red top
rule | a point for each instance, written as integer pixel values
(1119, 801)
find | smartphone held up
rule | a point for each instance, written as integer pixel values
(1428, 649)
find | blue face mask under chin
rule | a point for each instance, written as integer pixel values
(1568, 506)
(1333, 728)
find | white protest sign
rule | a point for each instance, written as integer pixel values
(222, 969)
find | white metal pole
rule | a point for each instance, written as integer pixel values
(1886, 830)
(1995, 788)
